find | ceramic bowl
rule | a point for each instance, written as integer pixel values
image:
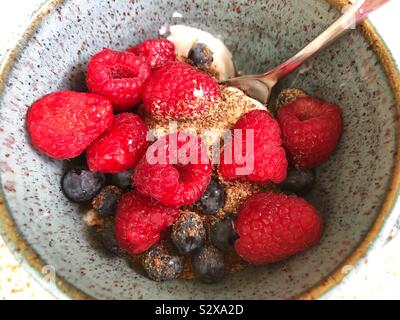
(356, 188)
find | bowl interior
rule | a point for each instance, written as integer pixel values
(351, 185)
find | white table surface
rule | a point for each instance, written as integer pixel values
(379, 276)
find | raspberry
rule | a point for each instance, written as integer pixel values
(181, 177)
(62, 124)
(178, 90)
(273, 227)
(118, 76)
(311, 130)
(269, 159)
(120, 147)
(140, 221)
(157, 52)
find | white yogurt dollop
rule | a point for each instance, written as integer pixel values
(185, 37)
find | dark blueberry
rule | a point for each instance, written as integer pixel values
(106, 201)
(188, 232)
(208, 264)
(107, 239)
(200, 55)
(299, 181)
(161, 263)
(213, 198)
(102, 236)
(81, 185)
(222, 233)
(122, 179)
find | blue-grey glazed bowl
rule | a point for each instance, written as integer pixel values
(356, 188)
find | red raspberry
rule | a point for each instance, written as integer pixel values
(178, 90)
(62, 124)
(118, 76)
(311, 130)
(156, 52)
(178, 178)
(120, 147)
(139, 222)
(269, 159)
(273, 227)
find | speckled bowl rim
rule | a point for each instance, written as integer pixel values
(31, 261)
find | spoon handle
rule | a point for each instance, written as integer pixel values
(354, 14)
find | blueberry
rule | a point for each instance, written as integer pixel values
(106, 201)
(161, 263)
(299, 181)
(222, 233)
(200, 55)
(80, 185)
(122, 179)
(208, 264)
(188, 232)
(213, 198)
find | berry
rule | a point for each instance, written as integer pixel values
(62, 124)
(120, 147)
(107, 239)
(93, 219)
(311, 130)
(80, 185)
(299, 181)
(176, 170)
(122, 179)
(208, 264)
(267, 162)
(161, 263)
(213, 198)
(273, 227)
(104, 238)
(106, 201)
(200, 55)
(118, 76)
(288, 95)
(178, 90)
(140, 221)
(222, 233)
(188, 232)
(157, 52)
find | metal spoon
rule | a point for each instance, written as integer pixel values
(260, 86)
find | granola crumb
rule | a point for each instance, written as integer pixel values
(288, 95)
